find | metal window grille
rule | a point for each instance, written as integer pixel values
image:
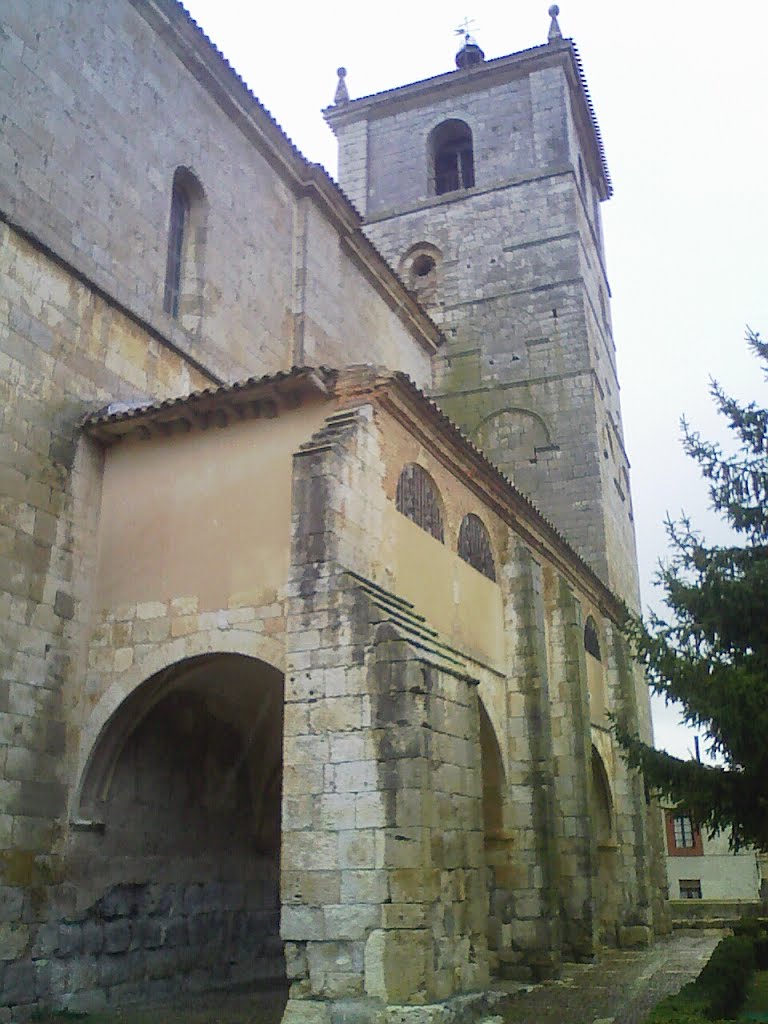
(176, 239)
(475, 545)
(690, 888)
(418, 500)
(591, 639)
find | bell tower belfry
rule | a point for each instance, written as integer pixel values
(482, 187)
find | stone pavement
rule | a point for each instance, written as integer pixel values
(620, 988)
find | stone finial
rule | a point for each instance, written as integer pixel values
(554, 27)
(341, 95)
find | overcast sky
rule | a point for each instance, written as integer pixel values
(680, 92)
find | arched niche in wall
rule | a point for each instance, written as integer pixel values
(418, 499)
(451, 157)
(179, 812)
(514, 436)
(474, 545)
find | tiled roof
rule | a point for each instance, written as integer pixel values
(245, 397)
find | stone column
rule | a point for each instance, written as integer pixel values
(527, 886)
(383, 893)
(638, 821)
(572, 750)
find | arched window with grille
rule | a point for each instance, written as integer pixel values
(419, 500)
(475, 545)
(592, 639)
(182, 296)
(452, 157)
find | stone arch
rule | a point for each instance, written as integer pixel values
(163, 656)
(604, 879)
(451, 159)
(497, 842)
(514, 436)
(493, 776)
(602, 800)
(178, 844)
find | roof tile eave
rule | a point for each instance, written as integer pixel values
(103, 417)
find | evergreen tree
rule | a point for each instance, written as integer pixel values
(712, 653)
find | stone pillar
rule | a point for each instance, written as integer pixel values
(383, 891)
(638, 821)
(572, 750)
(529, 884)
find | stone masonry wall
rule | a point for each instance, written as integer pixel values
(63, 351)
(99, 112)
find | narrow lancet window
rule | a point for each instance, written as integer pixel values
(183, 292)
(177, 236)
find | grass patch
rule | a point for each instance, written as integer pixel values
(756, 1006)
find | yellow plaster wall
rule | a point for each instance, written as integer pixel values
(462, 604)
(457, 600)
(207, 514)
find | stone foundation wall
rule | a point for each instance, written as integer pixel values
(143, 942)
(175, 887)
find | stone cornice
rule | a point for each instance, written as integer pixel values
(487, 75)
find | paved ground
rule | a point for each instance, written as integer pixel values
(621, 988)
(618, 989)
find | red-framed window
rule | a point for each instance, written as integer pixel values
(683, 837)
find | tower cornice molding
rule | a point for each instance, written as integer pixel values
(480, 77)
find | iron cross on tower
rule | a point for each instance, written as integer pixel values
(464, 28)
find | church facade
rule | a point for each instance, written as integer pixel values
(315, 534)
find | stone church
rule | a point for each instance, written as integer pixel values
(315, 533)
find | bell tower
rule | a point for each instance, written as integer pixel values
(482, 187)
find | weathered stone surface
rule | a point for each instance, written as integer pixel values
(13, 940)
(633, 936)
(229, 602)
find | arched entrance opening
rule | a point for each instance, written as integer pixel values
(498, 849)
(177, 856)
(604, 880)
